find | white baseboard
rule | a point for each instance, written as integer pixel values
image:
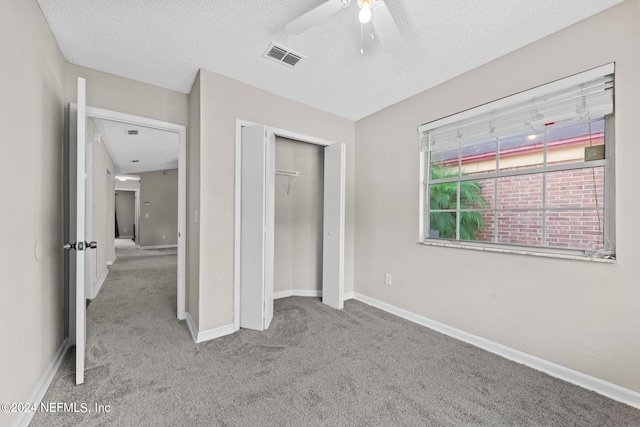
(209, 334)
(348, 296)
(297, 293)
(159, 247)
(24, 418)
(98, 284)
(605, 388)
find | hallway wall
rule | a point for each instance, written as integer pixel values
(158, 208)
(31, 260)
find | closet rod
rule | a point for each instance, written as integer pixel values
(287, 173)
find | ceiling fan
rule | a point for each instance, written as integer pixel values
(375, 11)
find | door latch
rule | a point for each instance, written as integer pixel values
(80, 246)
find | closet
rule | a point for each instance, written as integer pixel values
(291, 221)
(298, 217)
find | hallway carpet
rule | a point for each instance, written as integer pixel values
(314, 366)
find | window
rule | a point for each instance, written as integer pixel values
(529, 172)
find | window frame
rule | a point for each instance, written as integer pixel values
(608, 165)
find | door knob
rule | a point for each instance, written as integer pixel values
(69, 246)
(90, 245)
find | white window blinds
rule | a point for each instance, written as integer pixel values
(582, 97)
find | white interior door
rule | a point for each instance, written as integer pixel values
(257, 225)
(333, 226)
(77, 222)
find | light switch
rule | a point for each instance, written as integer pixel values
(146, 214)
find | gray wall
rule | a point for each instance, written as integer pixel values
(125, 212)
(158, 208)
(32, 119)
(124, 95)
(579, 314)
(298, 217)
(221, 102)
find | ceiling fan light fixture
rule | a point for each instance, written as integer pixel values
(365, 10)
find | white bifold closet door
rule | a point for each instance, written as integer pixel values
(333, 226)
(257, 208)
(257, 226)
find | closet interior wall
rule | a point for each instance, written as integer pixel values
(298, 216)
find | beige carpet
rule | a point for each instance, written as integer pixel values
(314, 366)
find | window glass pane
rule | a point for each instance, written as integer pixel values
(477, 194)
(520, 192)
(522, 151)
(442, 225)
(577, 143)
(577, 188)
(472, 224)
(443, 196)
(479, 157)
(582, 230)
(485, 233)
(519, 228)
(444, 164)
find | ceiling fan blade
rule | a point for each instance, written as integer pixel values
(314, 16)
(386, 27)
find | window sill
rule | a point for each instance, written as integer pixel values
(510, 250)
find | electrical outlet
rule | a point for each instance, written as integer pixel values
(387, 278)
(164, 237)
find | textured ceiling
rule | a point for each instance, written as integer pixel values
(154, 149)
(165, 42)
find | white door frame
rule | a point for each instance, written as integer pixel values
(181, 130)
(238, 193)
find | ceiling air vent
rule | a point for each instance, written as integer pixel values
(282, 55)
(131, 131)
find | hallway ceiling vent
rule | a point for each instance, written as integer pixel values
(132, 131)
(282, 55)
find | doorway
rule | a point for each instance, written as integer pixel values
(180, 134)
(126, 213)
(255, 222)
